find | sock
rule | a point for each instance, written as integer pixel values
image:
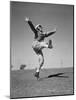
(37, 70)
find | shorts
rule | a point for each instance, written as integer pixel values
(38, 46)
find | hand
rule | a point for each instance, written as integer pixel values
(27, 19)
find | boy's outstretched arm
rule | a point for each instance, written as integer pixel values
(50, 33)
(31, 25)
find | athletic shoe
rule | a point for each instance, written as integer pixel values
(50, 44)
(37, 75)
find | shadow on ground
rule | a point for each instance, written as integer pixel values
(59, 75)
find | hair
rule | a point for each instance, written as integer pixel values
(37, 26)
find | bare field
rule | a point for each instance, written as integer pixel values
(52, 82)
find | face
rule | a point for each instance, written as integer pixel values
(40, 29)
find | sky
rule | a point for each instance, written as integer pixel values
(50, 16)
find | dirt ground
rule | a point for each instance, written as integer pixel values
(52, 82)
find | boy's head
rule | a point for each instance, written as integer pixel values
(39, 28)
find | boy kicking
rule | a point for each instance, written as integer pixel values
(39, 43)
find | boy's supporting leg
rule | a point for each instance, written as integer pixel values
(41, 62)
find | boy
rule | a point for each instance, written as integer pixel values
(39, 43)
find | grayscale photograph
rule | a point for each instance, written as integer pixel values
(41, 49)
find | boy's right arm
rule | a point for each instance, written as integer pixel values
(31, 25)
(50, 33)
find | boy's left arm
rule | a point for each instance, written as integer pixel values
(50, 33)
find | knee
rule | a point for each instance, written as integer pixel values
(41, 60)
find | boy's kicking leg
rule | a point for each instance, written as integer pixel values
(46, 45)
(50, 44)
